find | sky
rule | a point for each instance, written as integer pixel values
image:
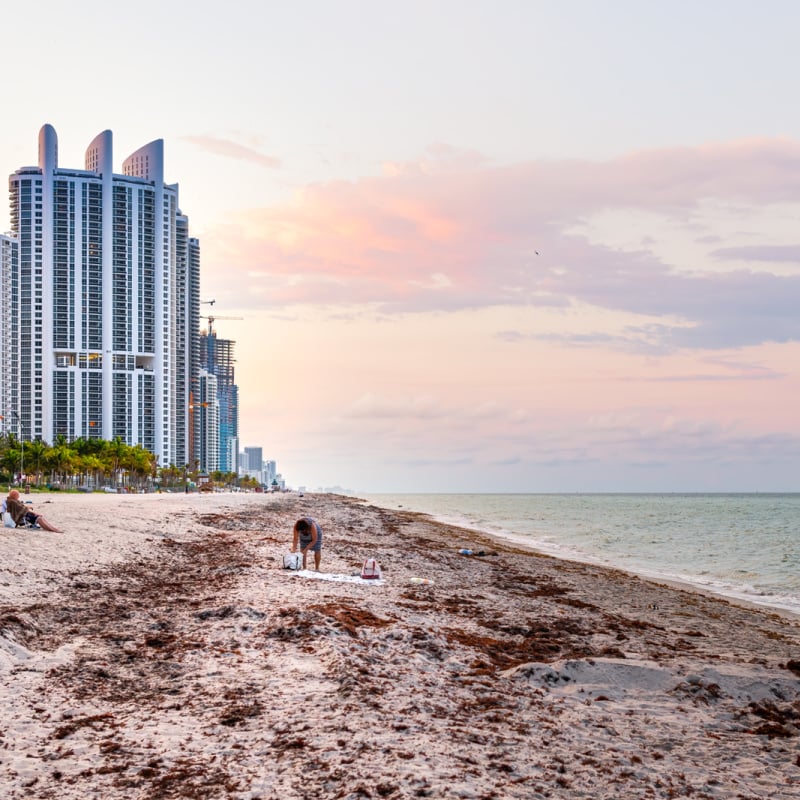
(473, 246)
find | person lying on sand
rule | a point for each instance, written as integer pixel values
(22, 512)
(309, 535)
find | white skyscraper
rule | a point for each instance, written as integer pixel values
(8, 262)
(100, 305)
(207, 422)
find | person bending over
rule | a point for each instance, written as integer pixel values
(22, 513)
(308, 534)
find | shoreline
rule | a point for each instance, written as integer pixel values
(733, 594)
(158, 649)
(682, 584)
(658, 579)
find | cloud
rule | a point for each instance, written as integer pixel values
(418, 463)
(371, 407)
(234, 150)
(452, 233)
(705, 377)
(775, 253)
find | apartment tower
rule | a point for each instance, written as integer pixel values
(207, 422)
(9, 252)
(103, 300)
(217, 358)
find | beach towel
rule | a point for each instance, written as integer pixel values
(330, 576)
(292, 561)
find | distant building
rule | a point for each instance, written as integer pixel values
(252, 465)
(253, 459)
(232, 449)
(206, 422)
(187, 333)
(217, 358)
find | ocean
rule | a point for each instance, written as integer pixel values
(744, 546)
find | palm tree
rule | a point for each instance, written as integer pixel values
(139, 463)
(10, 459)
(170, 474)
(114, 451)
(90, 466)
(35, 450)
(60, 460)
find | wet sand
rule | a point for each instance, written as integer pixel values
(157, 649)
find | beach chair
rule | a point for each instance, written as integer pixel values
(17, 511)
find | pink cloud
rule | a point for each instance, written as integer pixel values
(451, 233)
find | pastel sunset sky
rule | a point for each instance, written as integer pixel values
(484, 245)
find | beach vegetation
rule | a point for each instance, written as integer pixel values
(90, 464)
(82, 463)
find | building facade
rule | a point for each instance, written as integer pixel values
(251, 463)
(253, 459)
(192, 342)
(217, 358)
(8, 265)
(103, 300)
(207, 422)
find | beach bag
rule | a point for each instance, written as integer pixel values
(292, 561)
(8, 520)
(371, 570)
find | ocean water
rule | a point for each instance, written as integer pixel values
(744, 546)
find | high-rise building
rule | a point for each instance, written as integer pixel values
(103, 300)
(8, 265)
(193, 341)
(206, 421)
(187, 338)
(251, 463)
(216, 356)
(229, 428)
(254, 459)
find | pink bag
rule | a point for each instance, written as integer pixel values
(371, 570)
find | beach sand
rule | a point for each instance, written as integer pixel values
(157, 649)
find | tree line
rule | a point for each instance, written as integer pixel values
(94, 464)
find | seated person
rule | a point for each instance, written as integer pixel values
(22, 513)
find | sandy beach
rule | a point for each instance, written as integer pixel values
(158, 649)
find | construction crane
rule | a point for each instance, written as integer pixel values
(211, 319)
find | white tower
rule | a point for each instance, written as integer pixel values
(101, 283)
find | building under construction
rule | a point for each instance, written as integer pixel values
(217, 359)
